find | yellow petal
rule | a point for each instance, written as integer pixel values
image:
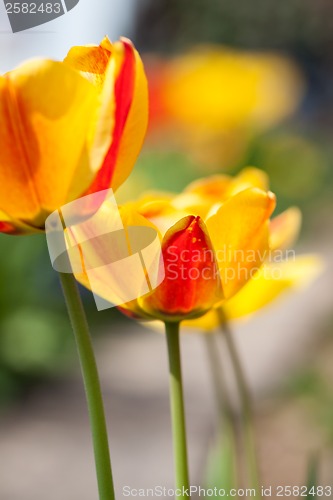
(49, 116)
(91, 60)
(131, 217)
(101, 250)
(247, 178)
(157, 208)
(218, 188)
(239, 232)
(8, 225)
(213, 187)
(130, 96)
(285, 228)
(150, 200)
(207, 323)
(270, 282)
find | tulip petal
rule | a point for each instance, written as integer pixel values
(8, 225)
(106, 251)
(191, 285)
(158, 207)
(285, 228)
(135, 126)
(247, 178)
(271, 281)
(48, 114)
(239, 233)
(91, 60)
(218, 188)
(130, 103)
(213, 187)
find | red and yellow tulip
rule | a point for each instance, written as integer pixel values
(68, 129)
(207, 233)
(230, 206)
(278, 274)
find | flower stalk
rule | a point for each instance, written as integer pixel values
(92, 386)
(226, 420)
(177, 409)
(246, 404)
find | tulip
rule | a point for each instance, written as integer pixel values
(68, 129)
(213, 99)
(225, 218)
(71, 129)
(240, 85)
(211, 197)
(191, 284)
(207, 239)
(272, 277)
(195, 230)
(268, 281)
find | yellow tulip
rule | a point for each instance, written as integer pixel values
(211, 244)
(276, 275)
(68, 129)
(211, 198)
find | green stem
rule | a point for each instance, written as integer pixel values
(246, 402)
(177, 409)
(222, 399)
(227, 426)
(92, 385)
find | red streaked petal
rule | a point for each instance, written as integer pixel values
(124, 88)
(191, 285)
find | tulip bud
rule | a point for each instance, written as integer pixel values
(192, 283)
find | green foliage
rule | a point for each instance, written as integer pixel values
(34, 340)
(35, 336)
(166, 170)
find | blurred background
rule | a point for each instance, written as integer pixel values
(231, 84)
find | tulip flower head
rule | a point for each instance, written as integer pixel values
(253, 253)
(68, 129)
(192, 283)
(214, 237)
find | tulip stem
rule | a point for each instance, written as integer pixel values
(224, 406)
(246, 403)
(92, 385)
(227, 426)
(177, 410)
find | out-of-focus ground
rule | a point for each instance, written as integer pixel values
(45, 443)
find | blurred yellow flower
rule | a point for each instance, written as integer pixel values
(218, 97)
(68, 129)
